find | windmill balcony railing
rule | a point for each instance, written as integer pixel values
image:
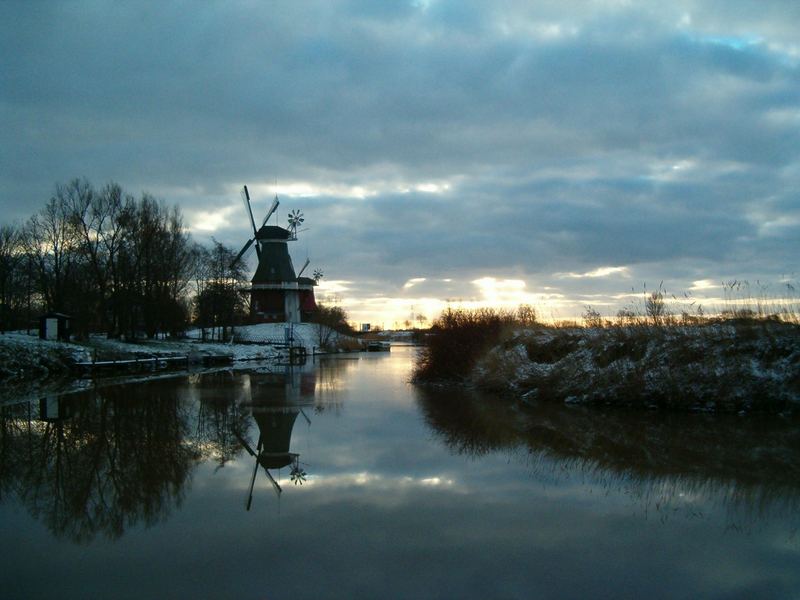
(278, 341)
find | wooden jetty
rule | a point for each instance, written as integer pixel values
(151, 363)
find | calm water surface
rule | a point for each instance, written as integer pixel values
(367, 487)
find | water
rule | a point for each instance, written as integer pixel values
(142, 491)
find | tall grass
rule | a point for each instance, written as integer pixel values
(661, 352)
(459, 337)
(740, 301)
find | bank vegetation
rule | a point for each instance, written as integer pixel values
(117, 264)
(736, 361)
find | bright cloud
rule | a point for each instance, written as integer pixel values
(599, 272)
(210, 221)
(412, 282)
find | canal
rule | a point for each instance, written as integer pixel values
(340, 479)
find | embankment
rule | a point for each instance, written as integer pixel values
(715, 367)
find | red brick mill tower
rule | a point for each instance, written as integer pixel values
(277, 295)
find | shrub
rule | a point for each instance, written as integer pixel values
(458, 339)
(592, 318)
(655, 308)
(330, 319)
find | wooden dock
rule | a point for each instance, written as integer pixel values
(135, 365)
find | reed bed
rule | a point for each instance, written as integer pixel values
(742, 358)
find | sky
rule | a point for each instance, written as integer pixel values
(562, 154)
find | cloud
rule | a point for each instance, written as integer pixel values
(599, 272)
(431, 139)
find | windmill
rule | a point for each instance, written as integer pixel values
(277, 294)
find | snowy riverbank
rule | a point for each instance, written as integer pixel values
(725, 367)
(25, 357)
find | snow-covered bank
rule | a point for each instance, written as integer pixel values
(741, 366)
(27, 358)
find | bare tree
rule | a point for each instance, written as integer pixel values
(12, 258)
(115, 263)
(156, 268)
(100, 220)
(50, 238)
(219, 304)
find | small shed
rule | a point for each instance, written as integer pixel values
(53, 409)
(54, 326)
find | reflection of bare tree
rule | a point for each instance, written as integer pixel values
(752, 464)
(16, 426)
(221, 420)
(120, 460)
(329, 376)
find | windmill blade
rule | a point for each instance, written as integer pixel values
(257, 248)
(246, 200)
(271, 210)
(243, 251)
(255, 470)
(252, 485)
(274, 483)
(308, 260)
(244, 443)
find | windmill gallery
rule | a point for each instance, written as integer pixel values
(277, 294)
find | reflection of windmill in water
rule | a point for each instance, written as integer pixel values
(276, 401)
(276, 293)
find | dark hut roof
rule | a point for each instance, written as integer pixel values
(273, 232)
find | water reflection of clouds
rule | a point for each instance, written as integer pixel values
(442, 487)
(380, 483)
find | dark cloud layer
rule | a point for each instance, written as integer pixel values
(433, 139)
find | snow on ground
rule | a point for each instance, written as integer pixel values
(729, 367)
(25, 357)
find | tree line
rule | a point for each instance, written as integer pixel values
(115, 263)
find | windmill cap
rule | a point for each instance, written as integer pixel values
(273, 232)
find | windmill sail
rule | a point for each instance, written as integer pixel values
(271, 210)
(246, 199)
(308, 261)
(246, 247)
(243, 251)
